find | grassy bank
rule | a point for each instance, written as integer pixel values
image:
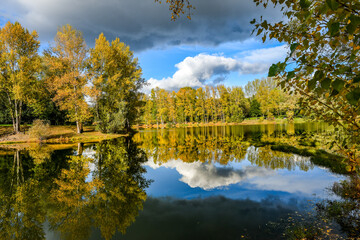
(57, 135)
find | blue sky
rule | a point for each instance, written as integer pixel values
(215, 47)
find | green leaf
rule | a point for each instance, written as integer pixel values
(273, 70)
(293, 48)
(356, 79)
(334, 93)
(319, 75)
(333, 5)
(338, 84)
(305, 4)
(290, 75)
(253, 21)
(334, 28)
(353, 96)
(312, 84)
(325, 83)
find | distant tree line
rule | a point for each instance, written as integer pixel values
(262, 98)
(68, 82)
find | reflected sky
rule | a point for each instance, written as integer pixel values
(236, 180)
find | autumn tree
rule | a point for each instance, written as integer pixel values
(239, 105)
(116, 79)
(66, 67)
(19, 69)
(200, 105)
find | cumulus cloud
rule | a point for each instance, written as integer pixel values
(142, 24)
(212, 69)
(208, 176)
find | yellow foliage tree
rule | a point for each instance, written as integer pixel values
(19, 66)
(66, 74)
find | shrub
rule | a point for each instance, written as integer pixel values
(40, 129)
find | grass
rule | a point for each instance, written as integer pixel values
(57, 135)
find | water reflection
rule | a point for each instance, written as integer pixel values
(345, 211)
(74, 194)
(227, 161)
(227, 144)
(217, 183)
(210, 176)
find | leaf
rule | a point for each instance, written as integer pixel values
(334, 29)
(353, 96)
(273, 70)
(325, 83)
(333, 5)
(312, 84)
(305, 4)
(319, 75)
(293, 48)
(290, 75)
(334, 93)
(338, 84)
(356, 79)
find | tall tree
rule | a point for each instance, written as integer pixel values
(19, 68)
(66, 74)
(116, 78)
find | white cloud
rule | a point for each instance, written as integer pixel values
(206, 69)
(208, 176)
(265, 55)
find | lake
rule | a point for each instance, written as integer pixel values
(223, 182)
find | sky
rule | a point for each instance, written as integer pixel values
(214, 47)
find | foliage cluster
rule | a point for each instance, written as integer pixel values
(68, 80)
(323, 62)
(220, 103)
(40, 129)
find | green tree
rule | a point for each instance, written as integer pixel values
(19, 69)
(116, 79)
(66, 74)
(255, 108)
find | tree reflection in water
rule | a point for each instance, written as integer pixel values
(346, 210)
(74, 193)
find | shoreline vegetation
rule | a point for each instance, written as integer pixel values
(57, 135)
(251, 121)
(68, 135)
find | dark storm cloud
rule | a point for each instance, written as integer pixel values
(142, 24)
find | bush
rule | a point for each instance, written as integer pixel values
(40, 129)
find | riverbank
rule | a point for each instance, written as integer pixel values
(57, 135)
(245, 122)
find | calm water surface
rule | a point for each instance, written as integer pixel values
(194, 183)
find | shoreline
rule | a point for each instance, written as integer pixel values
(58, 135)
(212, 124)
(68, 135)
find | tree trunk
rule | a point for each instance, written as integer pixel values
(79, 127)
(80, 149)
(17, 116)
